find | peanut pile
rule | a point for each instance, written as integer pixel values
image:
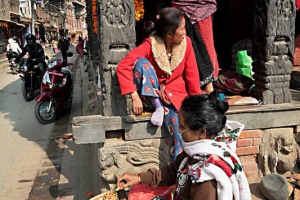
(111, 196)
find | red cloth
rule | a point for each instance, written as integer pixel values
(206, 32)
(296, 59)
(196, 10)
(297, 4)
(146, 192)
(183, 81)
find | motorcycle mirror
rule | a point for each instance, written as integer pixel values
(69, 54)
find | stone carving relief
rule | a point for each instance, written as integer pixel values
(117, 157)
(118, 12)
(273, 31)
(279, 152)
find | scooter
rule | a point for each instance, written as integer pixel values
(11, 56)
(56, 90)
(29, 74)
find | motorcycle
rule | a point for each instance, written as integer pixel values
(31, 81)
(11, 56)
(56, 90)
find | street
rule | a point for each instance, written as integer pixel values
(26, 146)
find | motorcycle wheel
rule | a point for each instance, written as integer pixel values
(41, 114)
(27, 94)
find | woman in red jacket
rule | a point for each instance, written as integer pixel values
(161, 72)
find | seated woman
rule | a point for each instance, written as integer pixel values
(206, 169)
(161, 72)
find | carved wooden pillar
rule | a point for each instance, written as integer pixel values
(117, 37)
(93, 27)
(274, 26)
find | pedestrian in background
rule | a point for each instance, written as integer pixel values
(79, 46)
(54, 45)
(13, 46)
(63, 46)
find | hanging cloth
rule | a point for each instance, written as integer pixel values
(204, 63)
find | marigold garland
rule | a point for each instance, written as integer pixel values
(139, 9)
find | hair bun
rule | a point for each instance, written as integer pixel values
(218, 102)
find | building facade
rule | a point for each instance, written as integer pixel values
(42, 18)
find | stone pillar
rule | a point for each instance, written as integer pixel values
(117, 37)
(273, 38)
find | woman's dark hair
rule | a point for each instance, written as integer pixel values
(148, 27)
(205, 112)
(168, 21)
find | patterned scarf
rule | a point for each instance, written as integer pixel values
(216, 160)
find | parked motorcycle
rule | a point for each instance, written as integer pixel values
(11, 56)
(56, 90)
(30, 76)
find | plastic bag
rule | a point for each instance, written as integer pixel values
(244, 64)
(146, 192)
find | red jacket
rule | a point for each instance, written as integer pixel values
(180, 81)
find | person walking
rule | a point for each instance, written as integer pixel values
(54, 45)
(79, 46)
(63, 46)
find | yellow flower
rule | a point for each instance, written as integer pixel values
(139, 9)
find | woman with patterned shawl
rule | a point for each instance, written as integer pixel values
(207, 168)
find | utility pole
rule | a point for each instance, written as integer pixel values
(32, 17)
(64, 15)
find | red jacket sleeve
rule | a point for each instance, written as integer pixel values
(124, 68)
(191, 72)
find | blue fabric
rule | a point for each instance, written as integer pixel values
(147, 84)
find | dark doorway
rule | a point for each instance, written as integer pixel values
(233, 24)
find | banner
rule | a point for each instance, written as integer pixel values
(23, 3)
(39, 1)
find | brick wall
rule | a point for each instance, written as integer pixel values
(296, 60)
(247, 150)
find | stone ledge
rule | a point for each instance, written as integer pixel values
(93, 129)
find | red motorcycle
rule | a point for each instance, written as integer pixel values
(56, 90)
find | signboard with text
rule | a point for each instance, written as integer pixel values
(94, 16)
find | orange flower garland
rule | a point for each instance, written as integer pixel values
(139, 9)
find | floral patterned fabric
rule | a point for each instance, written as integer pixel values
(215, 160)
(147, 84)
